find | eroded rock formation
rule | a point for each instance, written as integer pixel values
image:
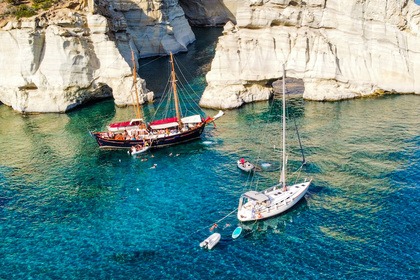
(78, 51)
(341, 49)
(156, 27)
(209, 12)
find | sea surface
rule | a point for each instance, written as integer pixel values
(69, 210)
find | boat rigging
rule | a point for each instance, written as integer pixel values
(159, 133)
(255, 205)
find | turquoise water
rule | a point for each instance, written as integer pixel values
(71, 211)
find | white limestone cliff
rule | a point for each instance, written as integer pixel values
(340, 49)
(61, 59)
(81, 51)
(55, 63)
(156, 27)
(209, 12)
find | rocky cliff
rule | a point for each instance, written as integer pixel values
(156, 27)
(340, 49)
(79, 51)
(209, 12)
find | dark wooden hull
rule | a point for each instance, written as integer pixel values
(160, 142)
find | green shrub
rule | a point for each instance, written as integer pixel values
(14, 2)
(24, 11)
(43, 4)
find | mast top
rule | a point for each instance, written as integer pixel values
(176, 98)
(137, 104)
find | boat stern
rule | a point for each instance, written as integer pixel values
(245, 215)
(251, 206)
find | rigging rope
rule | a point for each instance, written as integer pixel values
(218, 221)
(184, 84)
(149, 62)
(185, 91)
(300, 143)
(252, 179)
(267, 132)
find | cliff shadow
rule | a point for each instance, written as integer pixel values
(207, 13)
(194, 64)
(294, 87)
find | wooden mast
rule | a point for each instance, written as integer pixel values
(176, 99)
(137, 104)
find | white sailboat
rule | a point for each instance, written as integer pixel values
(254, 205)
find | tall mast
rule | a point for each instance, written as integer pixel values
(137, 104)
(178, 114)
(283, 170)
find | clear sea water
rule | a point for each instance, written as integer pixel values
(71, 211)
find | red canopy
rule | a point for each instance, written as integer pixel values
(163, 121)
(120, 124)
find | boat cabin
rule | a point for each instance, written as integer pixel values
(253, 198)
(122, 126)
(171, 124)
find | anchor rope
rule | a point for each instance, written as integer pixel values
(218, 221)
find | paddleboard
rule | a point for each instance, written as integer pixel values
(236, 232)
(265, 165)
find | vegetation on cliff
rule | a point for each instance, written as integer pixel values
(23, 8)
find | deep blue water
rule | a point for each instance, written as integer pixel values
(71, 211)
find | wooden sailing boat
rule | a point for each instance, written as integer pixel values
(158, 133)
(254, 205)
(138, 121)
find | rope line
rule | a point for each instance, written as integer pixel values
(265, 137)
(150, 62)
(218, 221)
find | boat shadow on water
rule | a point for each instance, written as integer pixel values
(266, 166)
(260, 229)
(116, 155)
(193, 144)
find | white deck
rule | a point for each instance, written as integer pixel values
(277, 202)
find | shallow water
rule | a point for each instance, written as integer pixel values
(71, 211)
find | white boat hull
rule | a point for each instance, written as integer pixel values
(136, 152)
(277, 201)
(246, 166)
(211, 241)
